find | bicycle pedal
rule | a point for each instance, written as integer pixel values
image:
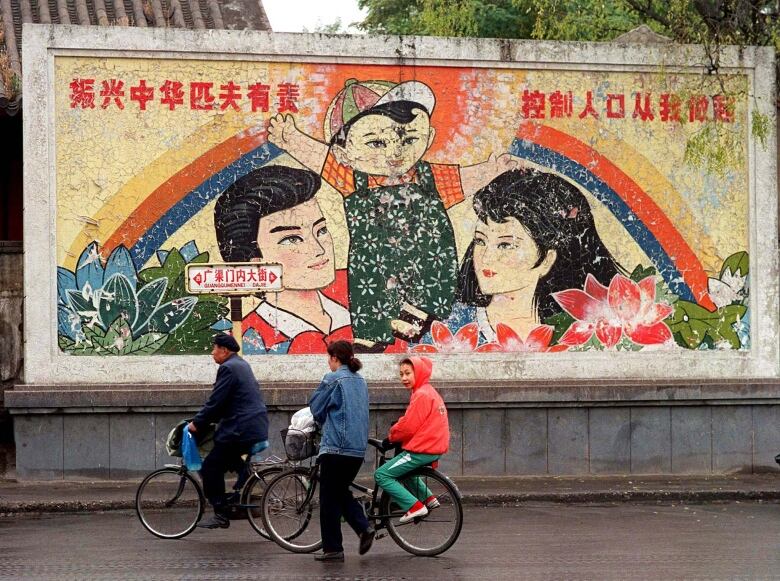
(380, 536)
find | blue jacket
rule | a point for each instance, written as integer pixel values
(236, 403)
(340, 406)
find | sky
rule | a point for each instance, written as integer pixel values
(294, 15)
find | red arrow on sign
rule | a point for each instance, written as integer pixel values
(272, 277)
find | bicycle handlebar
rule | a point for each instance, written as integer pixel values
(379, 445)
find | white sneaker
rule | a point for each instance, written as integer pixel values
(412, 514)
(432, 503)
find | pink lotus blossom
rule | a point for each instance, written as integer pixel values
(625, 307)
(464, 341)
(538, 341)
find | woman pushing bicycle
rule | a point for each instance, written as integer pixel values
(424, 435)
(340, 406)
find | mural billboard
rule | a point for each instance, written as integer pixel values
(503, 208)
(411, 208)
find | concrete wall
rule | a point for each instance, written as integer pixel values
(705, 253)
(699, 394)
(702, 429)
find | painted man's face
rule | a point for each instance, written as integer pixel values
(504, 255)
(377, 145)
(299, 240)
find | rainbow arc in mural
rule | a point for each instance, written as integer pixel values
(180, 198)
(693, 293)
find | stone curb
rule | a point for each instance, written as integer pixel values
(469, 499)
(695, 496)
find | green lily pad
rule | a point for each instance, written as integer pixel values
(738, 262)
(640, 273)
(693, 323)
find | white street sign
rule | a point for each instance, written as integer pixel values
(234, 278)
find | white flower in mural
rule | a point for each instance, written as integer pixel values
(371, 241)
(440, 303)
(362, 316)
(359, 263)
(410, 195)
(367, 286)
(728, 289)
(385, 198)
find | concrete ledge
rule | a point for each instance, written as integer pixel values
(38, 398)
(35, 497)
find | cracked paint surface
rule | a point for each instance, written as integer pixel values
(413, 208)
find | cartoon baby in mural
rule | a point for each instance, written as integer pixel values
(271, 214)
(402, 255)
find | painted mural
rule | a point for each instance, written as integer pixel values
(411, 208)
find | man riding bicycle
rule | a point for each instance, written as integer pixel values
(237, 404)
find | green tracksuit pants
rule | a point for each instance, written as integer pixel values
(405, 491)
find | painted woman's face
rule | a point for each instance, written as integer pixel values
(377, 145)
(299, 240)
(504, 255)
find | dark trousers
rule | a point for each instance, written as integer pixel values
(336, 500)
(224, 457)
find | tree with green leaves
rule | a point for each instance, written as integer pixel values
(710, 23)
(476, 18)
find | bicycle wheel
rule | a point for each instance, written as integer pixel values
(288, 510)
(252, 497)
(169, 503)
(432, 534)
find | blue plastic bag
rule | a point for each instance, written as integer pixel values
(190, 451)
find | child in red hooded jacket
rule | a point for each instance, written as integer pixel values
(424, 434)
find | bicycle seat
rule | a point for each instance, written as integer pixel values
(375, 443)
(259, 447)
(256, 449)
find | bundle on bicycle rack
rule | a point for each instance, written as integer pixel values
(301, 439)
(300, 444)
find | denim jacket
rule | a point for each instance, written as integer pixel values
(340, 406)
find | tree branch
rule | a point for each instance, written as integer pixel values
(647, 10)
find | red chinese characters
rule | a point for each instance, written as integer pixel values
(112, 90)
(230, 96)
(665, 107)
(82, 94)
(533, 104)
(589, 109)
(258, 95)
(237, 278)
(173, 94)
(288, 94)
(201, 98)
(561, 104)
(142, 94)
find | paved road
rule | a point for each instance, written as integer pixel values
(542, 541)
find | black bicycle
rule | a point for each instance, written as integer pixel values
(291, 503)
(170, 501)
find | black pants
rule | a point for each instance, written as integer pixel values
(336, 500)
(225, 457)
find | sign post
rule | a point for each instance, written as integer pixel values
(237, 280)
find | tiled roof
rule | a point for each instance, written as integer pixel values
(193, 14)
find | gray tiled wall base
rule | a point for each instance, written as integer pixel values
(494, 441)
(98, 446)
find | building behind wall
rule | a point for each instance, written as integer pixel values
(674, 372)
